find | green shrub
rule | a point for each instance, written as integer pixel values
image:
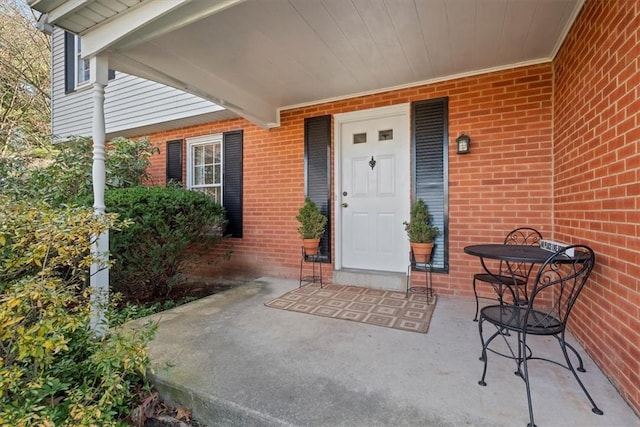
(68, 175)
(53, 371)
(170, 227)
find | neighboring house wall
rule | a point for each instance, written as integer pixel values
(597, 180)
(504, 183)
(130, 102)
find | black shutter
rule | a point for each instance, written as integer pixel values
(317, 143)
(69, 61)
(430, 148)
(232, 181)
(174, 161)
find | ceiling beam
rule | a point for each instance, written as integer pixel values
(99, 39)
(140, 20)
(205, 85)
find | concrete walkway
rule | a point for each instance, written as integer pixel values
(235, 362)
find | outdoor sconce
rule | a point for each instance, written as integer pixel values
(464, 144)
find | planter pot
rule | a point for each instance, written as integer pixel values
(311, 246)
(422, 251)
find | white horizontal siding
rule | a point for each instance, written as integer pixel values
(130, 102)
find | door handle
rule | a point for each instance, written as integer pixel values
(344, 205)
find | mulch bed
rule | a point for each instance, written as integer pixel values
(199, 289)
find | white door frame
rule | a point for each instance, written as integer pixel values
(338, 121)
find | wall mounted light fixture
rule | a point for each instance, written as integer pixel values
(464, 144)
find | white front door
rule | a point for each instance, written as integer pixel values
(374, 188)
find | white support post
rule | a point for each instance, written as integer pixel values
(99, 270)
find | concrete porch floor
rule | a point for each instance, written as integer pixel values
(235, 362)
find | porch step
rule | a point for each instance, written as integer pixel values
(384, 280)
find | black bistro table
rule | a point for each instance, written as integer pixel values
(511, 254)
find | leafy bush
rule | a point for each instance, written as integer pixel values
(53, 371)
(170, 227)
(68, 175)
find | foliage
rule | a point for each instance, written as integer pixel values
(53, 371)
(123, 311)
(419, 228)
(69, 175)
(25, 71)
(170, 227)
(127, 161)
(312, 221)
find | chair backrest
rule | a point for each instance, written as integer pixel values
(557, 285)
(520, 236)
(523, 236)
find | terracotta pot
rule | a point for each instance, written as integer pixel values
(422, 251)
(311, 246)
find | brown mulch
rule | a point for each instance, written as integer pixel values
(199, 289)
(154, 412)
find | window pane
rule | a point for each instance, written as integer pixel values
(208, 157)
(198, 173)
(197, 155)
(218, 154)
(218, 175)
(83, 68)
(87, 71)
(213, 192)
(360, 138)
(208, 175)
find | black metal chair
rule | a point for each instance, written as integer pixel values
(511, 276)
(553, 294)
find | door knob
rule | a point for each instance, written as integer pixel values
(344, 205)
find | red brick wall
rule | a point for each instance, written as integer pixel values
(504, 183)
(597, 179)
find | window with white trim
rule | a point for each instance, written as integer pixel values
(204, 165)
(82, 68)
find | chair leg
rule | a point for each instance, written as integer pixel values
(522, 344)
(580, 367)
(483, 356)
(475, 293)
(563, 346)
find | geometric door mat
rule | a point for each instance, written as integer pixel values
(391, 309)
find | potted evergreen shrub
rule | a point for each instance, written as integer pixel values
(312, 225)
(420, 231)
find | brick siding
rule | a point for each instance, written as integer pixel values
(597, 180)
(504, 183)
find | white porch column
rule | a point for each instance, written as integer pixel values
(99, 272)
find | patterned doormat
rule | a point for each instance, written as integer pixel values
(390, 309)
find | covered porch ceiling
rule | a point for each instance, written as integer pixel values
(258, 57)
